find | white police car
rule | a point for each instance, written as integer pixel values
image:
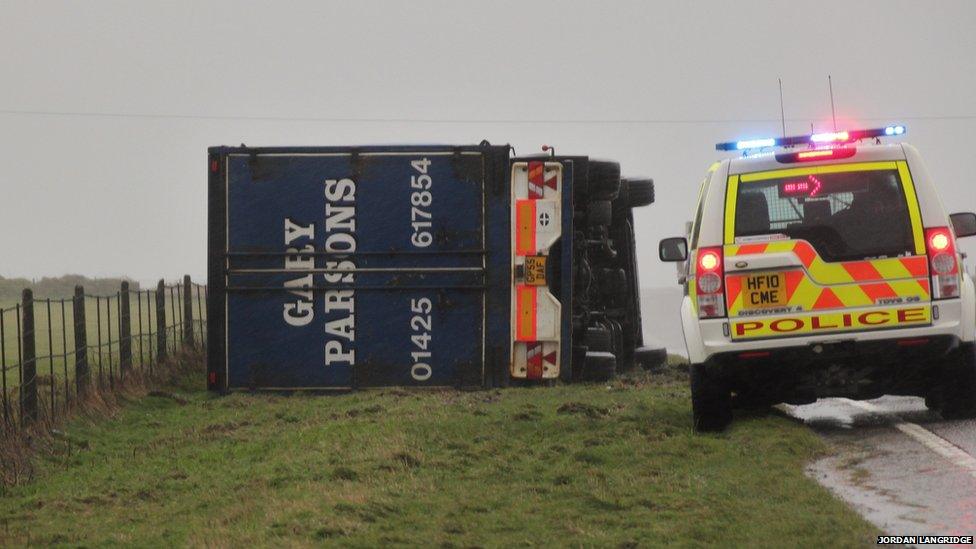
(825, 265)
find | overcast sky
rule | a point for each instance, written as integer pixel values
(107, 108)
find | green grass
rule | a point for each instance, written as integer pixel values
(581, 465)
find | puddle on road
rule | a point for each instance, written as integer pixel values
(892, 480)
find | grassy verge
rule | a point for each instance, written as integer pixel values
(572, 465)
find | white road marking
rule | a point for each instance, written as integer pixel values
(956, 455)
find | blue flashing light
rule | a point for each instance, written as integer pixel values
(755, 143)
(826, 138)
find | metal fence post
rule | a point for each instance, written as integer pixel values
(188, 310)
(161, 320)
(28, 381)
(125, 331)
(82, 372)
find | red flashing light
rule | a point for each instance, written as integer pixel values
(943, 265)
(708, 260)
(938, 240)
(822, 153)
(815, 154)
(709, 281)
(830, 137)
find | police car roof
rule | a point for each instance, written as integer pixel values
(767, 161)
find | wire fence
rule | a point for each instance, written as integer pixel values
(56, 352)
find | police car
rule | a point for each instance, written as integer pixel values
(825, 265)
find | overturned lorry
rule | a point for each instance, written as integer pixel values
(463, 266)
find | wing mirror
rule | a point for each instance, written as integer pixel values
(963, 224)
(673, 249)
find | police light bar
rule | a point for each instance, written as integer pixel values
(847, 136)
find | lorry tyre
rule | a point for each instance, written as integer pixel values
(598, 339)
(603, 179)
(614, 281)
(959, 383)
(640, 192)
(711, 401)
(650, 358)
(599, 213)
(600, 366)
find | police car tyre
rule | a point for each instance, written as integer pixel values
(640, 192)
(599, 213)
(600, 366)
(959, 384)
(649, 358)
(604, 179)
(711, 401)
(598, 339)
(752, 401)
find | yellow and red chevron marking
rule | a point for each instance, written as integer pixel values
(822, 285)
(538, 180)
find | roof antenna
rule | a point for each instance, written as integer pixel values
(833, 116)
(782, 112)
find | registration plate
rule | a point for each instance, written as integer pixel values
(763, 290)
(535, 270)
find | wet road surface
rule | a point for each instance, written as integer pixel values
(902, 467)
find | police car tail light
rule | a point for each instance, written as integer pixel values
(942, 262)
(709, 280)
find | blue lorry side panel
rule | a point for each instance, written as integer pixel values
(336, 268)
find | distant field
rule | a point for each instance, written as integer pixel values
(60, 337)
(584, 465)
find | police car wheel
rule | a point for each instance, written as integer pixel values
(959, 384)
(711, 401)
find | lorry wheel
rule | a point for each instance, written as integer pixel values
(640, 192)
(598, 339)
(959, 383)
(711, 400)
(600, 366)
(650, 358)
(603, 179)
(614, 281)
(599, 213)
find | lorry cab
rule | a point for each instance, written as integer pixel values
(825, 265)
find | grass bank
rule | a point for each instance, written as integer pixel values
(592, 465)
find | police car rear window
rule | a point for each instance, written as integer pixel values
(845, 216)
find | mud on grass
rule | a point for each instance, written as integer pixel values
(608, 464)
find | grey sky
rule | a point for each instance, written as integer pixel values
(108, 195)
